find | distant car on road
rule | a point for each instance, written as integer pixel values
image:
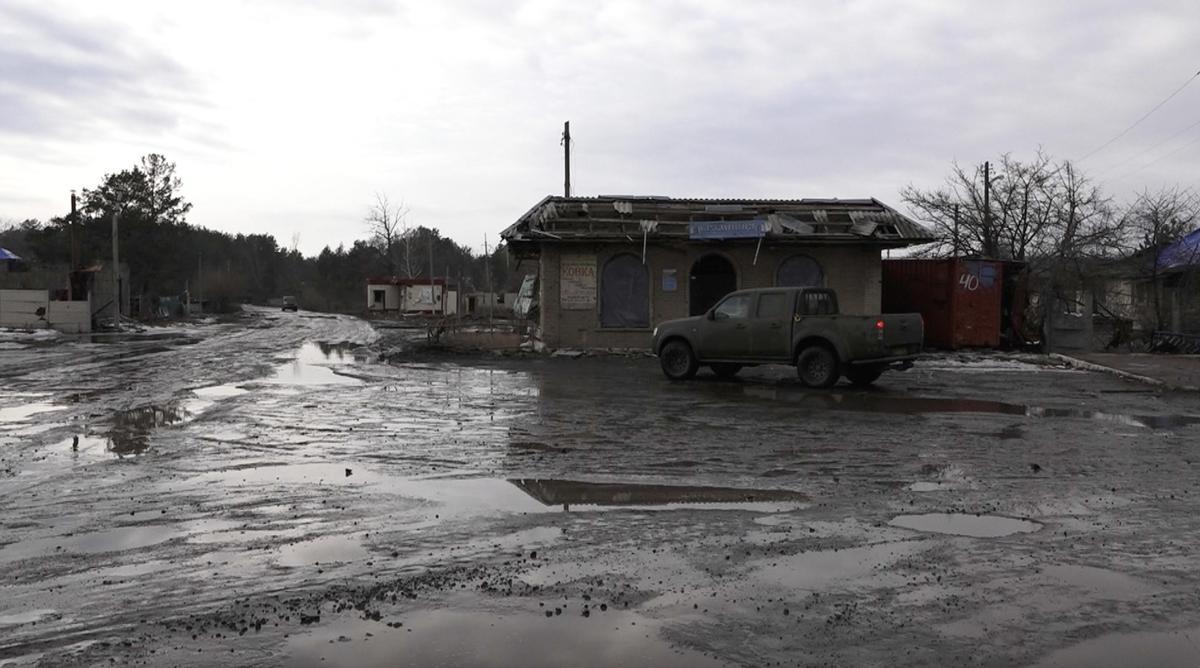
(289, 304)
(798, 326)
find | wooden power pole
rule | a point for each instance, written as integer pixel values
(566, 142)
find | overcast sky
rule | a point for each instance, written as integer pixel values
(287, 117)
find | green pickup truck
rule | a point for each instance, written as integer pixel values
(798, 326)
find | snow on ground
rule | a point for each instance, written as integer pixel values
(979, 362)
(7, 334)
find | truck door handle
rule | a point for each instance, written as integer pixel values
(776, 325)
(739, 326)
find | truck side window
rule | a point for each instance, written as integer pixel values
(817, 303)
(772, 305)
(737, 306)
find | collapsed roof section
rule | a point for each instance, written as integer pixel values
(626, 218)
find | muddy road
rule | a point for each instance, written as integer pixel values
(267, 492)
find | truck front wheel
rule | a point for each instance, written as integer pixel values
(817, 366)
(677, 360)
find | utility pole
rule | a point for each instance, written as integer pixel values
(956, 230)
(987, 201)
(566, 143)
(487, 272)
(74, 253)
(116, 273)
(432, 289)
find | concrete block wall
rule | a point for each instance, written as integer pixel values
(24, 309)
(33, 309)
(853, 271)
(71, 317)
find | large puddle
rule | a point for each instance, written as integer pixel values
(113, 540)
(538, 639)
(1169, 649)
(875, 402)
(314, 365)
(961, 524)
(521, 495)
(569, 493)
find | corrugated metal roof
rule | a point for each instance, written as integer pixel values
(811, 219)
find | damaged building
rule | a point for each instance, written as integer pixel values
(610, 268)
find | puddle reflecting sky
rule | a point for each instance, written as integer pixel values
(1171, 649)
(879, 402)
(528, 639)
(961, 524)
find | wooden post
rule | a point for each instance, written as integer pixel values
(566, 142)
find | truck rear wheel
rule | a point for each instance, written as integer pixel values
(817, 366)
(677, 360)
(864, 374)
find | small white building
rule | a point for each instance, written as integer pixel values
(412, 295)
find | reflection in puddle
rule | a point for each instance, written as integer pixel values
(324, 550)
(571, 492)
(23, 411)
(818, 570)
(530, 640)
(114, 540)
(926, 486)
(960, 524)
(130, 431)
(905, 405)
(312, 367)
(27, 617)
(1101, 581)
(473, 496)
(1168, 649)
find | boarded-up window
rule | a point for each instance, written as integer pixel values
(624, 293)
(800, 271)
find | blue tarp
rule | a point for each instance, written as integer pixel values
(1181, 254)
(6, 254)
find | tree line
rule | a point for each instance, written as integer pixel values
(167, 256)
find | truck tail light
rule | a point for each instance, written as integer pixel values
(879, 328)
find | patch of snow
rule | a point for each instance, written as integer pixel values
(7, 334)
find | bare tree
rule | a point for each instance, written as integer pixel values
(1155, 221)
(1017, 222)
(388, 224)
(1044, 213)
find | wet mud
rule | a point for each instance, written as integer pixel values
(267, 492)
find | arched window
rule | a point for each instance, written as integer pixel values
(799, 271)
(624, 293)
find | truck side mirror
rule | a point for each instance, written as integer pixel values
(711, 315)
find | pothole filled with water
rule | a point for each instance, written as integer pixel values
(538, 639)
(962, 524)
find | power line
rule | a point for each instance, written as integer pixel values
(1144, 117)
(1113, 167)
(1160, 158)
(1144, 151)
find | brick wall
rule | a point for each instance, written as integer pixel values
(853, 271)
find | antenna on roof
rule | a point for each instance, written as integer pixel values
(566, 144)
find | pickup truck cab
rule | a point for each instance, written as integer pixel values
(798, 326)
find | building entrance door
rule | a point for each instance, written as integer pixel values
(712, 277)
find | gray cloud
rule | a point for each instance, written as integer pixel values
(64, 80)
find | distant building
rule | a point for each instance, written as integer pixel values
(411, 295)
(610, 268)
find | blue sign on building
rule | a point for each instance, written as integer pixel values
(727, 229)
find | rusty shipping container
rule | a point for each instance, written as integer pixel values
(959, 299)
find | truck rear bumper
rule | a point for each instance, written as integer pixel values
(896, 361)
